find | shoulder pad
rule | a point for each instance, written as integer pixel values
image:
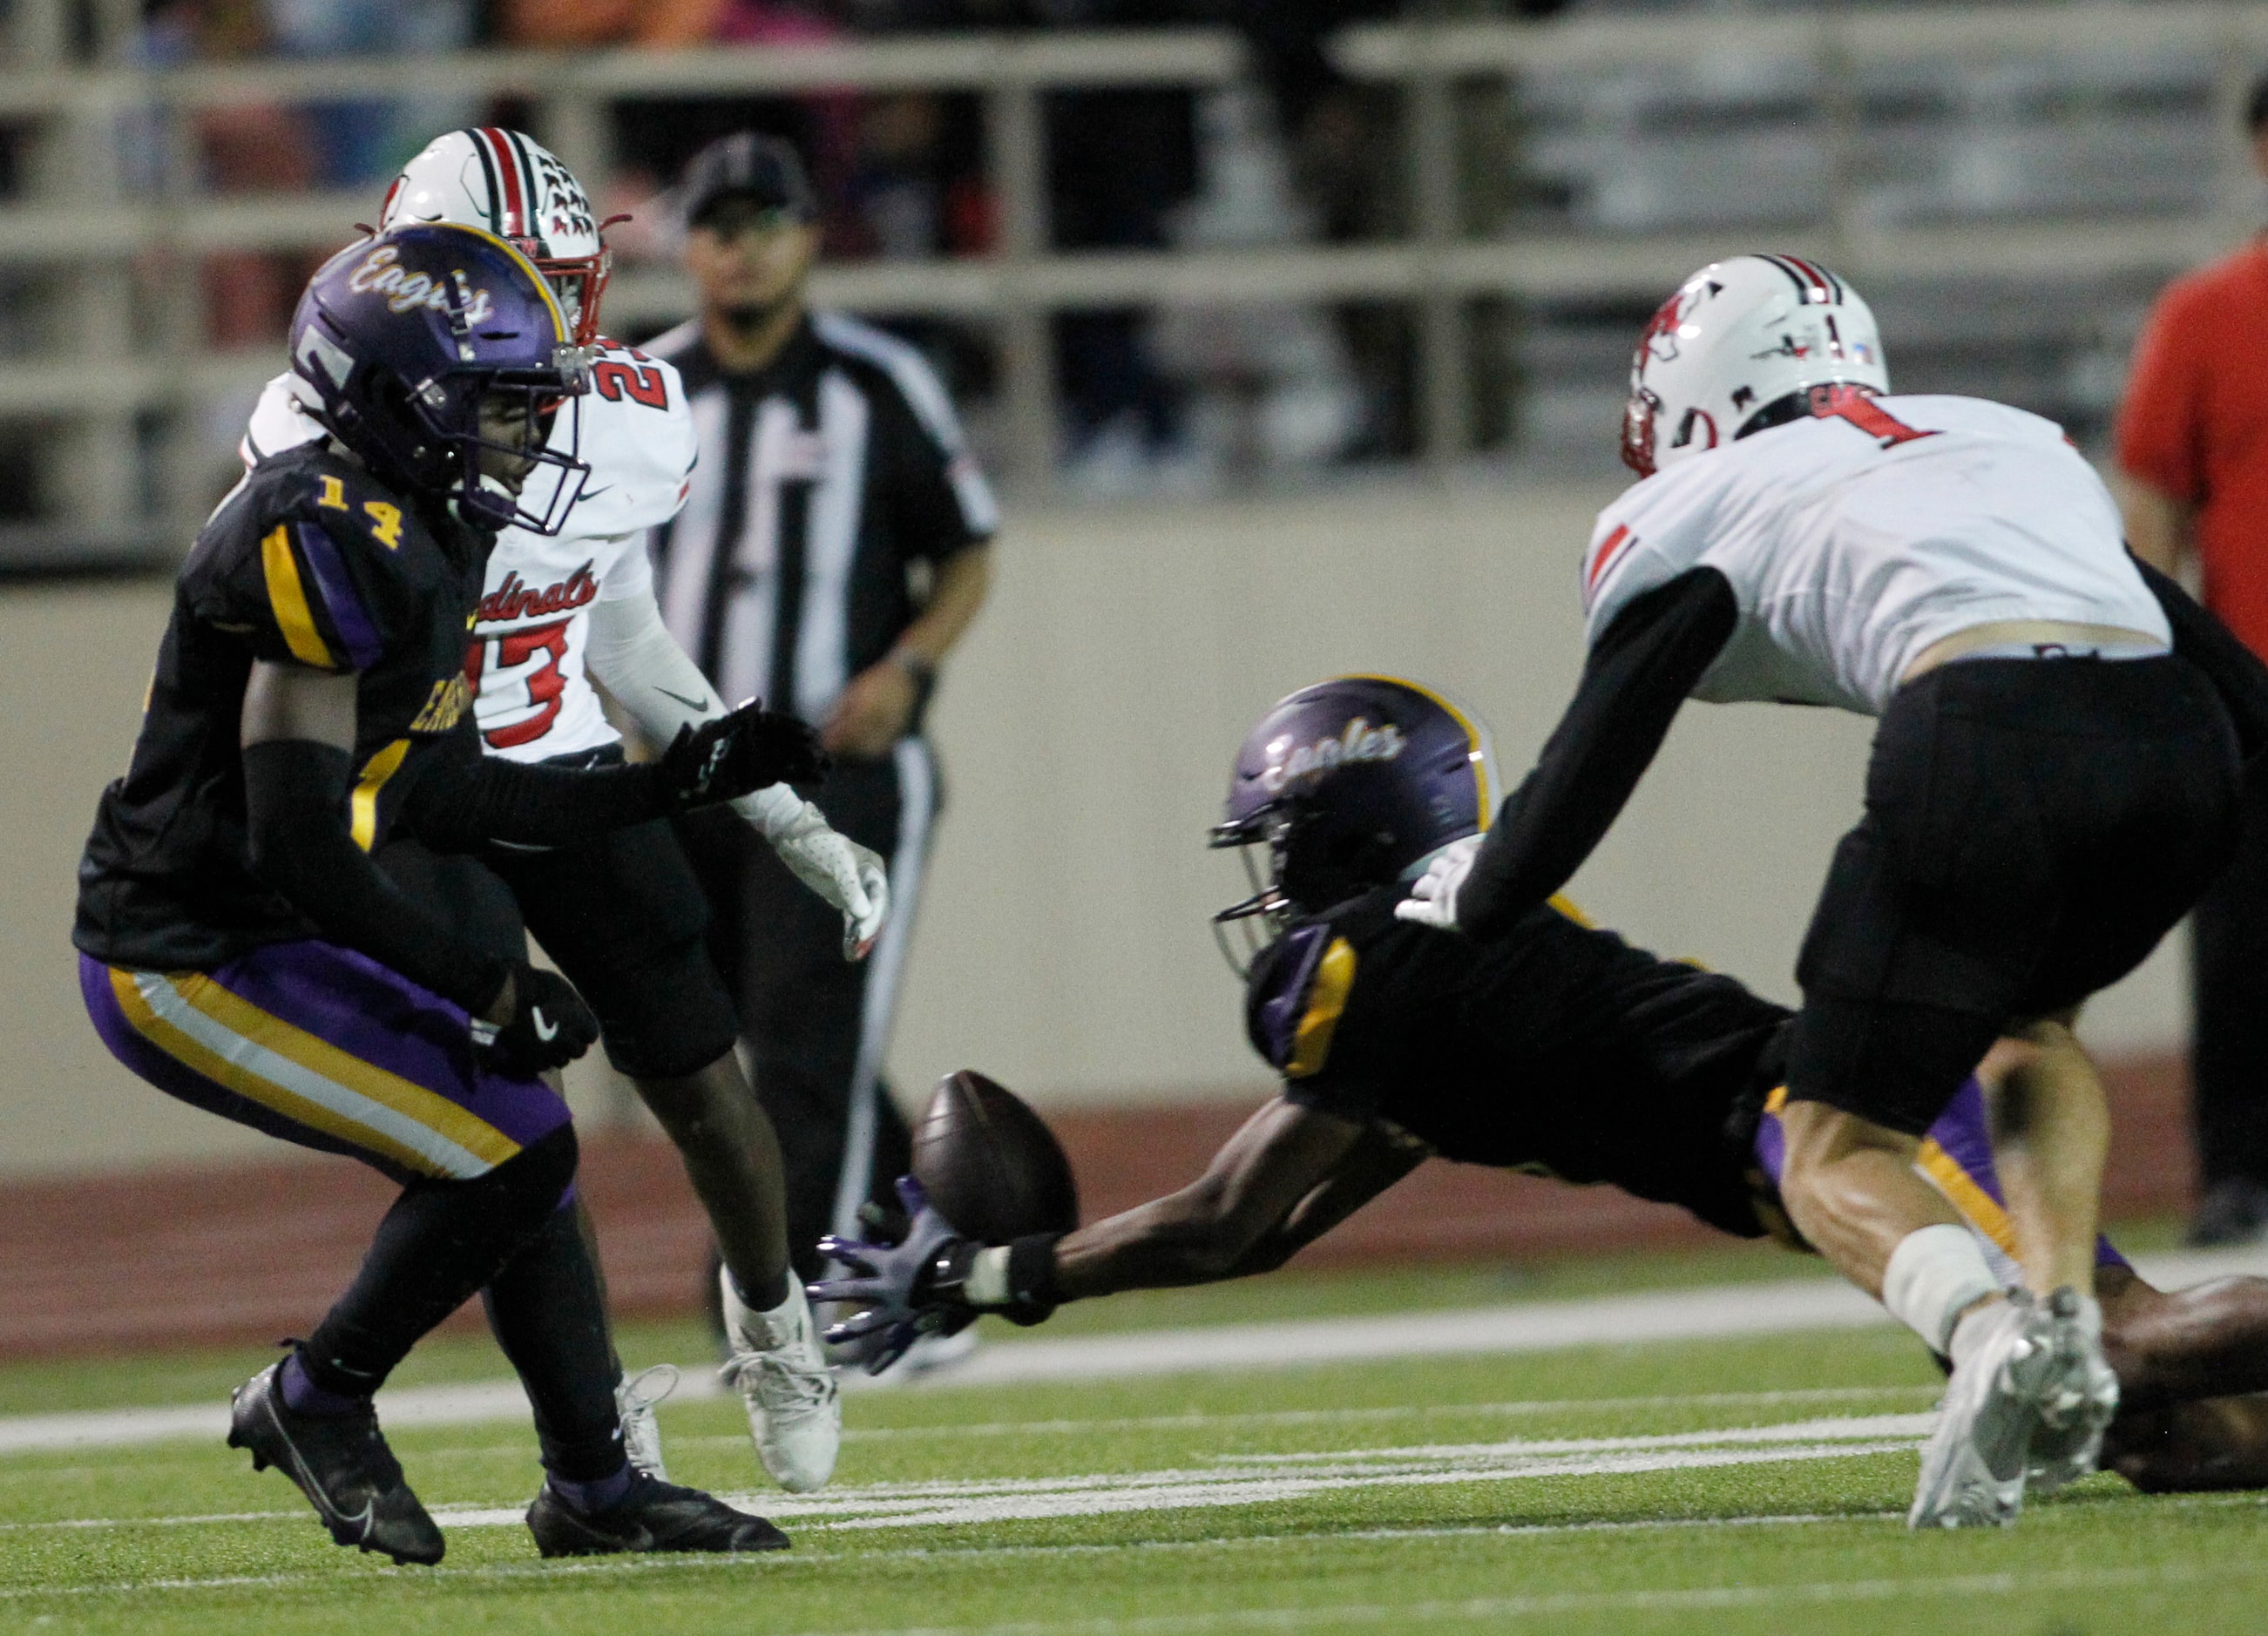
(1299, 990)
(279, 421)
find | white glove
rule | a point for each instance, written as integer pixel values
(848, 876)
(1432, 899)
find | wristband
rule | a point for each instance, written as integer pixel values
(1033, 1296)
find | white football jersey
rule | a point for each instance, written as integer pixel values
(1855, 540)
(532, 698)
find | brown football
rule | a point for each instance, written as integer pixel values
(990, 1165)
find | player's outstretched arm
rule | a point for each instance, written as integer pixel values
(634, 656)
(298, 735)
(466, 798)
(1286, 1176)
(1639, 674)
(1236, 1218)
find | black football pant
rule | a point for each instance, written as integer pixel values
(2229, 1055)
(807, 1015)
(545, 1304)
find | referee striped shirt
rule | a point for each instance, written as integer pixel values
(829, 482)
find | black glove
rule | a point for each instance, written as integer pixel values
(746, 749)
(550, 1026)
(909, 1290)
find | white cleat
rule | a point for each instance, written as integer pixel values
(2078, 1402)
(1973, 1466)
(795, 1410)
(635, 1399)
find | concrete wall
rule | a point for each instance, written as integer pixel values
(1086, 729)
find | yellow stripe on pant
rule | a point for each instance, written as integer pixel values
(289, 1071)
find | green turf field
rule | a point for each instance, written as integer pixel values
(1750, 1485)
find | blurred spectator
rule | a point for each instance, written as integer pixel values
(2192, 451)
(247, 148)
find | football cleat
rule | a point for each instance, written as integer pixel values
(795, 1408)
(341, 1463)
(2080, 1397)
(653, 1516)
(1973, 1466)
(635, 1399)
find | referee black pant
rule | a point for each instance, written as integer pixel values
(2229, 1055)
(817, 1026)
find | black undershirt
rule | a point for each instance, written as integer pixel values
(1650, 659)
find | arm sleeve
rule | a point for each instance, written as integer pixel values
(2236, 672)
(1638, 675)
(464, 799)
(295, 796)
(2160, 438)
(633, 656)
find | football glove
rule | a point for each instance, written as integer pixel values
(551, 1026)
(909, 1290)
(745, 748)
(850, 877)
(1432, 899)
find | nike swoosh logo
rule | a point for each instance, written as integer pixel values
(545, 1031)
(690, 704)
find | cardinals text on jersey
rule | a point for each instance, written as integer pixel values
(532, 698)
(1855, 538)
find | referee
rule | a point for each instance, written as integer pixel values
(831, 550)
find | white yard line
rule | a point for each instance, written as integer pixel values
(1240, 1480)
(1715, 1312)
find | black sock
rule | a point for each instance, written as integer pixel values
(600, 1493)
(773, 1297)
(439, 1243)
(548, 1315)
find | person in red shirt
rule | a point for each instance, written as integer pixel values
(2192, 452)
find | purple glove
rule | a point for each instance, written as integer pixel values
(909, 1290)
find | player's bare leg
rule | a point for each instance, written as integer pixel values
(2173, 1346)
(2050, 1137)
(732, 1156)
(2193, 1375)
(2190, 1448)
(1852, 1189)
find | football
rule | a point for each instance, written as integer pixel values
(990, 1165)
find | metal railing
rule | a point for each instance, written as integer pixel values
(80, 217)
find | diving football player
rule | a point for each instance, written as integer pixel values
(2053, 782)
(1546, 1046)
(241, 950)
(622, 913)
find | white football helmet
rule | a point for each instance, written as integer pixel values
(513, 187)
(1738, 337)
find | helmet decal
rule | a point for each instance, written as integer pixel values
(1349, 785)
(405, 337)
(1738, 338)
(513, 187)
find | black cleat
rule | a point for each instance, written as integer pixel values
(341, 1464)
(654, 1515)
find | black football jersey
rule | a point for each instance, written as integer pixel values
(1552, 1047)
(309, 562)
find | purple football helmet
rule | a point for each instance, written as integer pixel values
(405, 335)
(1351, 784)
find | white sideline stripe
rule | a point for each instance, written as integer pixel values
(1714, 1312)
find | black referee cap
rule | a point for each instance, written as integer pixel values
(746, 166)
